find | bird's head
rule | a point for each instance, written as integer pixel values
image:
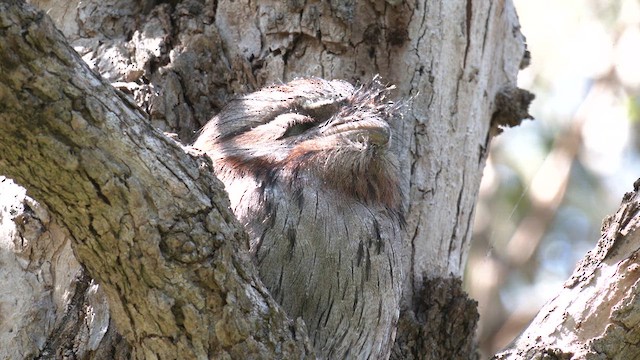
(309, 131)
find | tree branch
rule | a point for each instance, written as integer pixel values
(150, 222)
(596, 313)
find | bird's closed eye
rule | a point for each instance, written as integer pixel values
(297, 129)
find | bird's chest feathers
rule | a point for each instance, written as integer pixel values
(311, 221)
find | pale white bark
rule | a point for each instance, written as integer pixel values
(39, 279)
(37, 268)
(596, 314)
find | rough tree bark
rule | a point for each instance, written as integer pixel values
(597, 313)
(151, 224)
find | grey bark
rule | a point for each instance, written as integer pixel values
(150, 222)
(181, 63)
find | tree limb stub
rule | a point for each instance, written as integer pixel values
(425, 333)
(511, 108)
(143, 214)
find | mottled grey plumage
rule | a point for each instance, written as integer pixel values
(309, 174)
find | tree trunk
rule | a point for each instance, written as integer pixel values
(151, 224)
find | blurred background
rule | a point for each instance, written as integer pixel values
(549, 182)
